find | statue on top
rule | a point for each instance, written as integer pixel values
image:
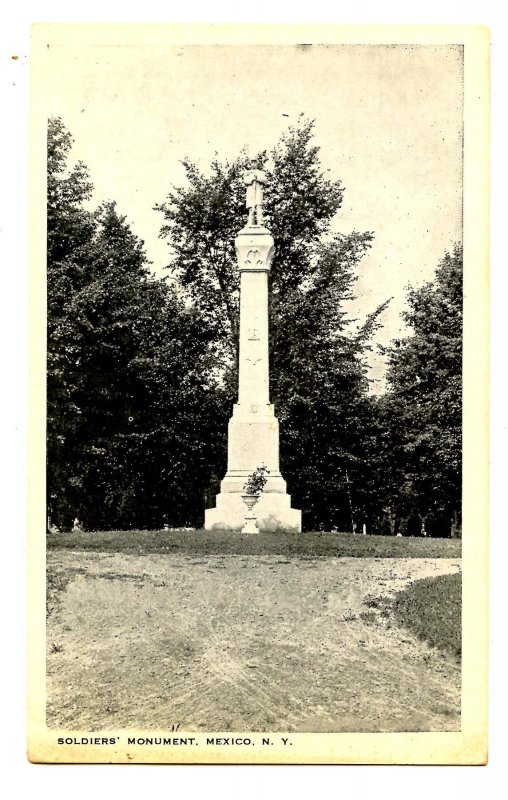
(255, 179)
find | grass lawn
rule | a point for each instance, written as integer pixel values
(431, 608)
(300, 545)
(202, 632)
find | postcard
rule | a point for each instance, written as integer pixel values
(259, 344)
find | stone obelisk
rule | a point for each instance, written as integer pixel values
(253, 435)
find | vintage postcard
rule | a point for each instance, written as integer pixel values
(259, 466)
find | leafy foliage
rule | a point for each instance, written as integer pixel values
(422, 411)
(129, 397)
(142, 376)
(317, 373)
(202, 219)
(256, 481)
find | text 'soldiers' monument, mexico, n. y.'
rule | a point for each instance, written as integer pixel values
(253, 436)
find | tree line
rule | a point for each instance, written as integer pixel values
(142, 371)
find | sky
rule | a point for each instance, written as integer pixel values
(388, 121)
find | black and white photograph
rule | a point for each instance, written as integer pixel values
(261, 376)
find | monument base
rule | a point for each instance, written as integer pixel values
(273, 513)
(253, 440)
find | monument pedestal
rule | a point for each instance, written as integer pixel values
(253, 440)
(273, 513)
(253, 435)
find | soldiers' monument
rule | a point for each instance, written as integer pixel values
(253, 437)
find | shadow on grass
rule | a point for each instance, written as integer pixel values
(432, 609)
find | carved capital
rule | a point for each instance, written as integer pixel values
(254, 249)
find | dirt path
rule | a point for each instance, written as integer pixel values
(240, 643)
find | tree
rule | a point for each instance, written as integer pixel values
(423, 407)
(202, 219)
(70, 226)
(318, 374)
(70, 229)
(129, 400)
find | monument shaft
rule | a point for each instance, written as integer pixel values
(253, 362)
(253, 434)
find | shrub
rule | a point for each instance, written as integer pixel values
(256, 481)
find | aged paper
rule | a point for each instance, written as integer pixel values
(69, 62)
